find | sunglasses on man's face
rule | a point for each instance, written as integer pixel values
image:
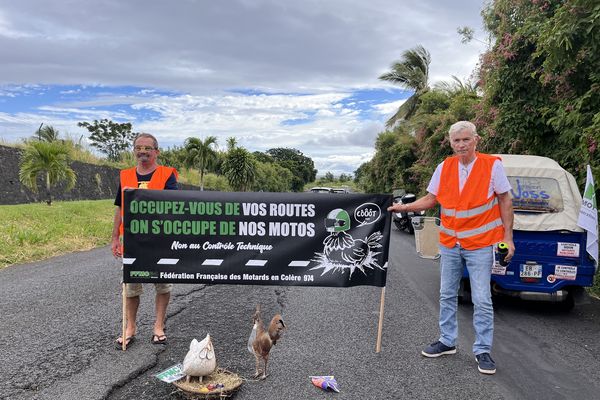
(144, 148)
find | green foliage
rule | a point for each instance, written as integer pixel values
(216, 182)
(46, 133)
(361, 171)
(410, 72)
(173, 157)
(231, 143)
(79, 153)
(302, 167)
(126, 160)
(276, 176)
(187, 175)
(467, 34)
(51, 160)
(110, 138)
(395, 152)
(433, 102)
(216, 166)
(541, 81)
(211, 181)
(263, 157)
(272, 177)
(406, 157)
(345, 178)
(335, 183)
(200, 154)
(240, 169)
(457, 87)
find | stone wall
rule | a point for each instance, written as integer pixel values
(94, 182)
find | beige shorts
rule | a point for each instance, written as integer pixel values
(135, 289)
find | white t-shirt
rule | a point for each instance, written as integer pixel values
(498, 184)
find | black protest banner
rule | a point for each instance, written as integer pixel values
(304, 239)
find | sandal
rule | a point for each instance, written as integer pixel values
(128, 341)
(159, 339)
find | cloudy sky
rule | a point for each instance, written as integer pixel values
(271, 73)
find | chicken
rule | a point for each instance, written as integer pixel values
(342, 248)
(341, 251)
(200, 360)
(265, 340)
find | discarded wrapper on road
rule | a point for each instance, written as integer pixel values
(325, 382)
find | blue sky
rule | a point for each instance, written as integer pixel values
(297, 74)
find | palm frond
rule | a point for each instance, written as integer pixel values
(411, 72)
(457, 86)
(48, 158)
(404, 112)
(200, 154)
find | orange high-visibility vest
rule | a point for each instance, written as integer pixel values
(470, 216)
(129, 180)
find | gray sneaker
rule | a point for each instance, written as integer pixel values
(485, 364)
(438, 349)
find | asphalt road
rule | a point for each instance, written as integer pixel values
(61, 316)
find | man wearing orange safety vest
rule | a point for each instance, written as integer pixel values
(146, 175)
(476, 213)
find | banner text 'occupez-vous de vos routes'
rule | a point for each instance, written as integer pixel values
(256, 238)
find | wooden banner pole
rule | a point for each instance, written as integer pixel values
(380, 325)
(124, 323)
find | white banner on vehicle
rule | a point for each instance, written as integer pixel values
(588, 215)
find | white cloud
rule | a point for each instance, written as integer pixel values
(389, 108)
(212, 57)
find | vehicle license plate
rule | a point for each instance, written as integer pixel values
(530, 271)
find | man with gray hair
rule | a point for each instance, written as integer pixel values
(476, 213)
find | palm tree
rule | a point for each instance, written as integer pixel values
(46, 134)
(457, 87)
(240, 169)
(49, 158)
(200, 154)
(410, 72)
(231, 143)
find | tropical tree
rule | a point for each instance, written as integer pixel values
(457, 87)
(411, 72)
(46, 133)
(395, 153)
(345, 178)
(200, 154)
(406, 156)
(301, 166)
(541, 81)
(231, 143)
(50, 159)
(111, 138)
(272, 177)
(240, 169)
(173, 157)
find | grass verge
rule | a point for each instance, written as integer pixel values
(32, 232)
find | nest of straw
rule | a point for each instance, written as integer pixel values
(230, 380)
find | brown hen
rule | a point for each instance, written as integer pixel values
(265, 339)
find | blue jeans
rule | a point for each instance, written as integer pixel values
(479, 264)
